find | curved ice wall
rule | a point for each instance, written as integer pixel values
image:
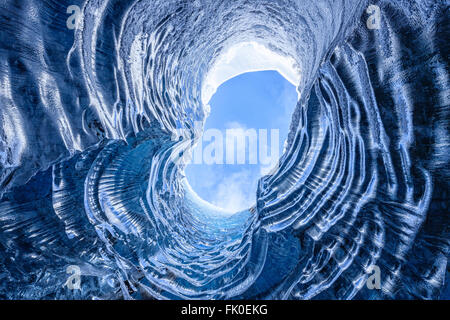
(92, 182)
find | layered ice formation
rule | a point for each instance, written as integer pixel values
(94, 204)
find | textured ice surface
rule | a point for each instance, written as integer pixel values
(88, 119)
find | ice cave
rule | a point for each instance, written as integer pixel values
(98, 105)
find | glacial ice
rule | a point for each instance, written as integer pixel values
(89, 175)
(247, 57)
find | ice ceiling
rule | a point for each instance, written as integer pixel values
(247, 57)
(89, 175)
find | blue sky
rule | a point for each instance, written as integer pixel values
(259, 100)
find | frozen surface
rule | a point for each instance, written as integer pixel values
(247, 57)
(89, 144)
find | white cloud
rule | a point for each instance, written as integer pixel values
(235, 192)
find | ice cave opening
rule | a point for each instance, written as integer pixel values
(250, 93)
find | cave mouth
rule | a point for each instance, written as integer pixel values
(243, 138)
